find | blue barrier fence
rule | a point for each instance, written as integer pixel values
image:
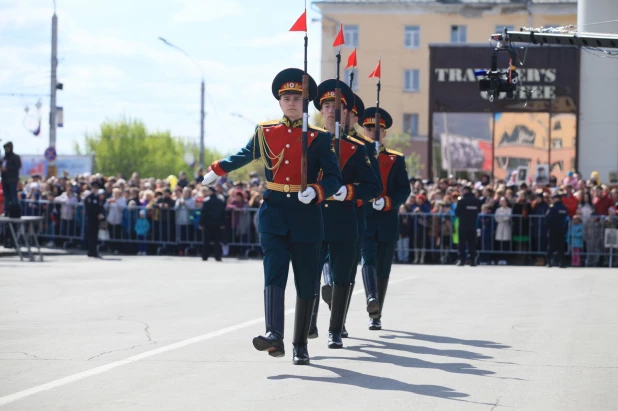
(425, 238)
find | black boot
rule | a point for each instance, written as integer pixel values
(327, 288)
(337, 315)
(344, 332)
(376, 323)
(301, 330)
(371, 291)
(313, 327)
(274, 299)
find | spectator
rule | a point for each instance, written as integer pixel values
(569, 200)
(419, 220)
(602, 202)
(142, 227)
(182, 180)
(503, 230)
(521, 219)
(575, 237)
(593, 237)
(115, 207)
(486, 228)
(585, 208)
(68, 201)
(185, 207)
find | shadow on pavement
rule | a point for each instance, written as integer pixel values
(372, 382)
(443, 340)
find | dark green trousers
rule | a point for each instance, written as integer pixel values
(358, 245)
(378, 254)
(341, 258)
(279, 251)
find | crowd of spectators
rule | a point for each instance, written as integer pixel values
(511, 228)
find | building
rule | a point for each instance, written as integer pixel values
(400, 31)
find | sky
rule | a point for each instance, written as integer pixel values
(113, 66)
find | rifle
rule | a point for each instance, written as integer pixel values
(338, 111)
(304, 142)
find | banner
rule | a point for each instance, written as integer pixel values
(465, 153)
(73, 164)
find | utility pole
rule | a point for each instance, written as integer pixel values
(202, 115)
(51, 166)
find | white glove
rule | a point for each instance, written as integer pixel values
(209, 179)
(306, 196)
(378, 204)
(341, 194)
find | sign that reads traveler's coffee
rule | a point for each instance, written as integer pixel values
(548, 74)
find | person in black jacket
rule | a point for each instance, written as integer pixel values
(556, 218)
(11, 163)
(212, 224)
(94, 214)
(468, 208)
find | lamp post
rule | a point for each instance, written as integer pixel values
(202, 91)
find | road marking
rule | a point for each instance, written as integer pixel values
(80, 376)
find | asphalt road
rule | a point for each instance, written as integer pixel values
(158, 333)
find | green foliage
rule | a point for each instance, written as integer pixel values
(125, 146)
(401, 142)
(317, 119)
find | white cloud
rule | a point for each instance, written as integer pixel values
(23, 13)
(206, 10)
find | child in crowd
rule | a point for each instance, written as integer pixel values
(142, 227)
(575, 239)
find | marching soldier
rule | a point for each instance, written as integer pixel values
(382, 231)
(357, 111)
(556, 218)
(468, 209)
(359, 182)
(290, 220)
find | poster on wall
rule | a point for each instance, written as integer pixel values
(72, 164)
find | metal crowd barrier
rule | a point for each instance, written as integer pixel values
(433, 238)
(426, 238)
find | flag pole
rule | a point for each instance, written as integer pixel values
(304, 143)
(346, 128)
(377, 118)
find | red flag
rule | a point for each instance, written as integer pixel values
(352, 60)
(339, 40)
(301, 23)
(376, 72)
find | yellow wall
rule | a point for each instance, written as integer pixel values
(381, 32)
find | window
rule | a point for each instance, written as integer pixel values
(410, 124)
(459, 34)
(346, 78)
(411, 80)
(412, 37)
(350, 35)
(500, 28)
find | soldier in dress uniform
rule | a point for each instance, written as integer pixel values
(353, 115)
(359, 182)
(382, 231)
(289, 221)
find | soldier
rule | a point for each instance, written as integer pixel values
(290, 221)
(357, 111)
(468, 209)
(340, 226)
(94, 214)
(556, 218)
(382, 231)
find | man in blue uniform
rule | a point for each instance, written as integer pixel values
(382, 231)
(359, 182)
(289, 221)
(556, 218)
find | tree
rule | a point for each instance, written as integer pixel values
(126, 146)
(401, 142)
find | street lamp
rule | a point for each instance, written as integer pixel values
(243, 117)
(203, 91)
